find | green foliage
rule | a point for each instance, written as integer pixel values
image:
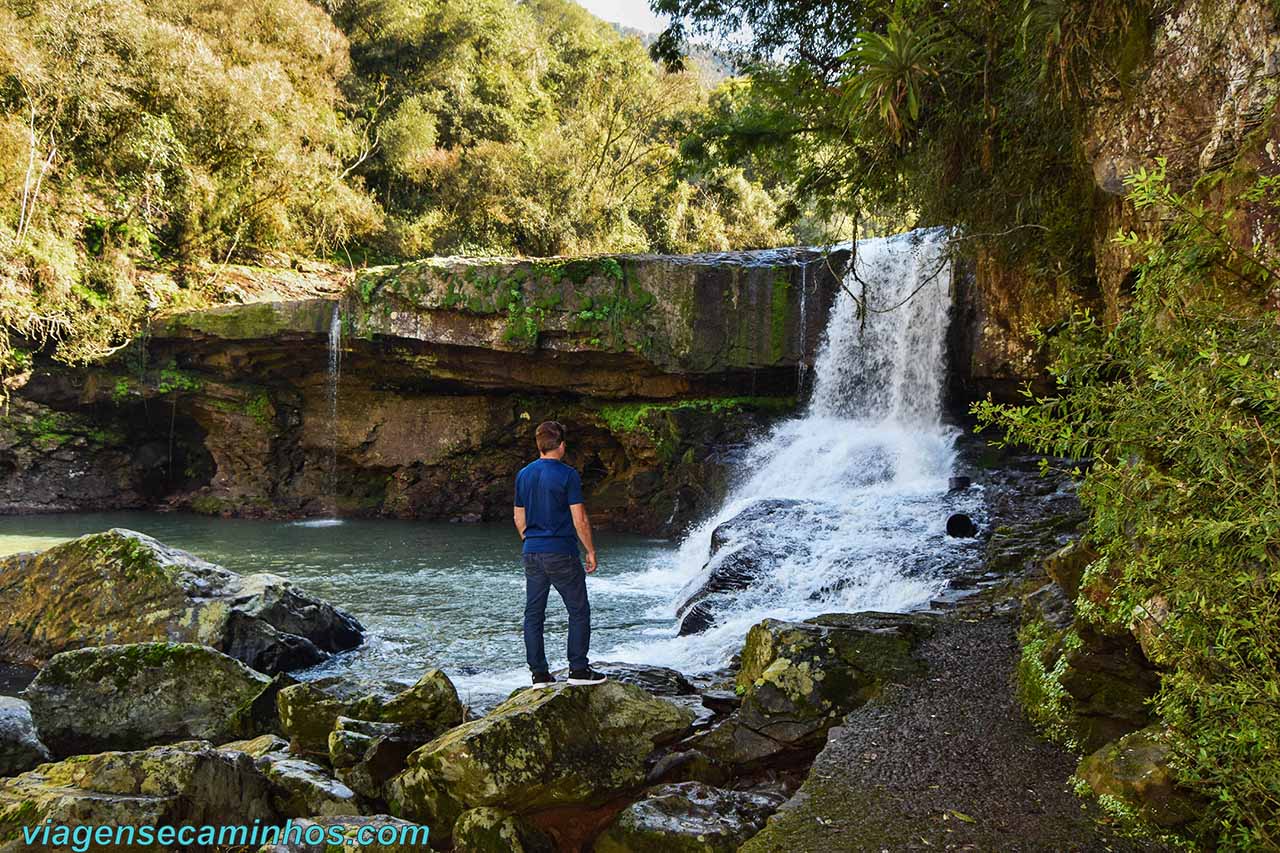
(888, 73)
(629, 418)
(145, 144)
(532, 128)
(1039, 686)
(885, 116)
(1178, 409)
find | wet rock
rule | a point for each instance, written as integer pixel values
(961, 526)
(302, 788)
(187, 783)
(688, 816)
(556, 746)
(798, 679)
(123, 587)
(310, 711)
(366, 755)
(1136, 769)
(324, 834)
(486, 830)
(743, 549)
(688, 766)
(20, 747)
(721, 701)
(658, 680)
(958, 484)
(138, 695)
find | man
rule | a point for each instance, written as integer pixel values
(551, 518)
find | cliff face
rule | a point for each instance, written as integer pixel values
(1205, 100)
(415, 391)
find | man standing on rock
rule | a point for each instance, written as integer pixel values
(551, 518)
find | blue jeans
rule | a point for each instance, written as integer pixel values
(565, 573)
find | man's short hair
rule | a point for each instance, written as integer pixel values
(549, 435)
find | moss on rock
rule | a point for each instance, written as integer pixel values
(486, 830)
(540, 749)
(137, 695)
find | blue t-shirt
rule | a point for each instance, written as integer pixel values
(546, 488)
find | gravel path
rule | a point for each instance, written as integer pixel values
(947, 762)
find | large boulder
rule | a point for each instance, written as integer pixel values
(1135, 769)
(486, 830)
(798, 679)
(188, 783)
(20, 747)
(125, 587)
(302, 788)
(689, 817)
(139, 695)
(309, 711)
(556, 746)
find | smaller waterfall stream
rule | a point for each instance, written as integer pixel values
(845, 506)
(331, 458)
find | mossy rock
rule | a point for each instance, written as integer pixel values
(797, 679)
(486, 830)
(121, 586)
(350, 834)
(558, 746)
(1067, 565)
(366, 755)
(259, 746)
(302, 788)
(1135, 770)
(309, 712)
(185, 783)
(430, 706)
(689, 817)
(137, 695)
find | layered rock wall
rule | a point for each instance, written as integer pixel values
(414, 391)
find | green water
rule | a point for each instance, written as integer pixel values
(430, 594)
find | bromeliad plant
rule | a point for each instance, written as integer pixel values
(886, 74)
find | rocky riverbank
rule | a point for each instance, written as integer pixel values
(886, 731)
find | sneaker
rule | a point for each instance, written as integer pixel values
(586, 676)
(543, 679)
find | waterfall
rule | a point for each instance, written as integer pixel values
(335, 372)
(846, 504)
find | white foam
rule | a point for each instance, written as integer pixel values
(869, 458)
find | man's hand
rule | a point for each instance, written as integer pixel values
(582, 524)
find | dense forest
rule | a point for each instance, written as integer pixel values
(146, 142)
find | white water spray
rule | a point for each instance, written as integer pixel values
(865, 468)
(335, 373)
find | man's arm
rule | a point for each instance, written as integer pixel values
(518, 516)
(582, 524)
